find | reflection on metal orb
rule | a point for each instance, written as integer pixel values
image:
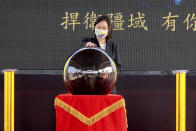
(90, 71)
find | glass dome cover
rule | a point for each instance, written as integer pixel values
(90, 71)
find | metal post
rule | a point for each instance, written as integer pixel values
(180, 100)
(9, 106)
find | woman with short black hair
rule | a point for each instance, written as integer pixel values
(101, 39)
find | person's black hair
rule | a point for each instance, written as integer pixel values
(107, 19)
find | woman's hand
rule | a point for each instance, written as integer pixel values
(90, 44)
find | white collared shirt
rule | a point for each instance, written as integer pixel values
(103, 46)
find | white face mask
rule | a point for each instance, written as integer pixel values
(101, 33)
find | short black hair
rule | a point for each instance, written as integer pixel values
(107, 19)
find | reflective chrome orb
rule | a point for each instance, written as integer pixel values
(90, 71)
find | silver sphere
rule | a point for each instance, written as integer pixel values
(90, 71)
